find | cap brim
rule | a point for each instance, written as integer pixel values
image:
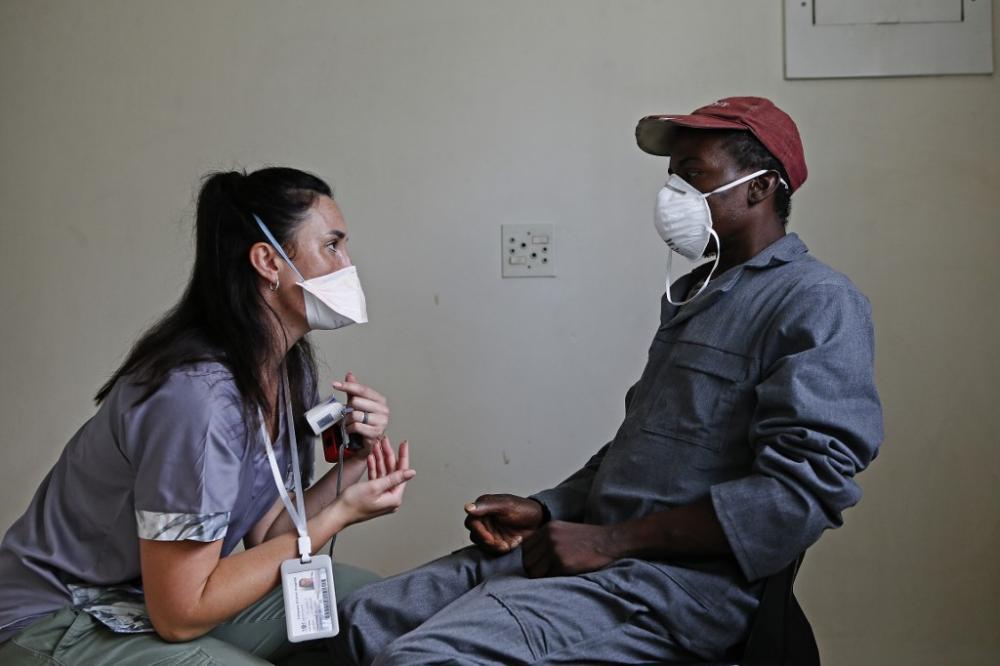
(654, 134)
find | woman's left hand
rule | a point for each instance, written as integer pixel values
(370, 417)
(382, 493)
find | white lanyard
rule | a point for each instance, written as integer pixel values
(298, 517)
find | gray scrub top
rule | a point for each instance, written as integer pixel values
(178, 466)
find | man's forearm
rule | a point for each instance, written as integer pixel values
(690, 531)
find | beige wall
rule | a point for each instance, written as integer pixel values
(439, 120)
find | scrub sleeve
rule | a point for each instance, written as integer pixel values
(188, 476)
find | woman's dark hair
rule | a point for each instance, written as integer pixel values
(750, 154)
(222, 315)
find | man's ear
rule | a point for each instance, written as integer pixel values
(763, 187)
(265, 261)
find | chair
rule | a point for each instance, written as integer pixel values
(780, 634)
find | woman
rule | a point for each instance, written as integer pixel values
(133, 531)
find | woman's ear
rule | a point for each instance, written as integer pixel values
(265, 261)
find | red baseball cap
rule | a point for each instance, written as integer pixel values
(772, 127)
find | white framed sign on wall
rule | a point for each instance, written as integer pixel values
(856, 38)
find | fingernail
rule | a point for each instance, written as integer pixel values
(338, 384)
(471, 506)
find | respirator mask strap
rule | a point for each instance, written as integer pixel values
(670, 261)
(277, 246)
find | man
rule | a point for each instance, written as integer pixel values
(739, 446)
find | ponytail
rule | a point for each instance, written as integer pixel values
(221, 316)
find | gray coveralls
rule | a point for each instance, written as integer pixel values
(758, 394)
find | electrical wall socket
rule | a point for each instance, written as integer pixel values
(527, 250)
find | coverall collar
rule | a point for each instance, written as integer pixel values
(786, 249)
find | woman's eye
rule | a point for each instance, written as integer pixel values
(332, 246)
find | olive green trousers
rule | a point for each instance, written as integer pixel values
(255, 636)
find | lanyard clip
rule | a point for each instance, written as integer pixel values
(305, 549)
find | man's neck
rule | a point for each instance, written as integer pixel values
(746, 247)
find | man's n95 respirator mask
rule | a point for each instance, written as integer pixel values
(684, 222)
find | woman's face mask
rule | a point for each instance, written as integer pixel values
(333, 300)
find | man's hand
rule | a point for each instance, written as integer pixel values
(564, 549)
(499, 523)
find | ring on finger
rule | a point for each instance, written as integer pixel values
(364, 418)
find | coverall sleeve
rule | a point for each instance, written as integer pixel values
(568, 500)
(817, 423)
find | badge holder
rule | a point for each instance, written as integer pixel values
(310, 598)
(306, 581)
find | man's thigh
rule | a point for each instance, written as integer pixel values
(510, 619)
(379, 613)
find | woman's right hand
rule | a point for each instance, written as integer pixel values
(382, 493)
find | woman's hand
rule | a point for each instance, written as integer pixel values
(370, 417)
(382, 493)
(190, 587)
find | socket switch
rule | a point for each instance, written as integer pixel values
(527, 250)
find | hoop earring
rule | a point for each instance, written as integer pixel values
(274, 287)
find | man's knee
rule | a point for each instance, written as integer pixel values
(360, 602)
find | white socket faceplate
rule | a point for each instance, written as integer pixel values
(527, 250)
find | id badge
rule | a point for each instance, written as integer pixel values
(310, 600)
